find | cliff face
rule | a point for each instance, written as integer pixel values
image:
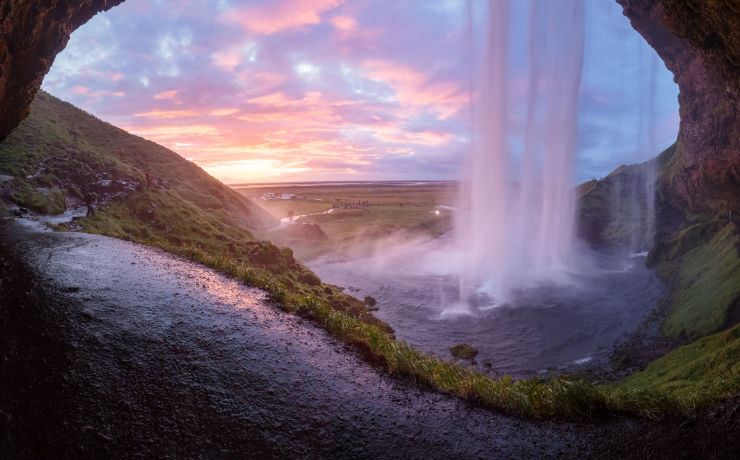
(32, 32)
(699, 41)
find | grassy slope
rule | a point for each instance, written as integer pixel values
(612, 209)
(73, 141)
(195, 217)
(701, 264)
(695, 372)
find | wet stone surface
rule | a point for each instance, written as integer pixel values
(147, 354)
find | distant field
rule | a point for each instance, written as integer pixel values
(361, 212)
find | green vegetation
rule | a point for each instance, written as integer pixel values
(41, 201)
(688, 378)
(702, 266)
(79, 150)
(463, 351)
(675, 385)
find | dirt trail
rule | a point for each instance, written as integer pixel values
(121, 350)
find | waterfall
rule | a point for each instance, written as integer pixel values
(633, 190)
(651, 166)
(517, 189)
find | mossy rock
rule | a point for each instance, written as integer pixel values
(463, 351)
(267, 255)
(44, 202)
(370, 301)
(310, 278)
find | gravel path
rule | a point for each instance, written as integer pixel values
(140, 353)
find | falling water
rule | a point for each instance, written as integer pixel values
(518, 185)
(650, 166)
(633, 191)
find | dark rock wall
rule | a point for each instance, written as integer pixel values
(32, 32)
(699, 41)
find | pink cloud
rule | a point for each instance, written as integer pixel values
(395, 135)
(227, 59)
(223, 112)
(167, 114)
(344, 22)
(280, 15)
(94, 95)
(414, 89)
(79, 90)
(170, 95)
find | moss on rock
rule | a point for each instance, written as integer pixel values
(41, 201)
(463, 351)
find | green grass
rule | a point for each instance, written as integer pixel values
(532, 398)
(687, 379)
(702, 266)
(61, 140)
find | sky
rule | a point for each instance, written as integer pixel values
(314, 90)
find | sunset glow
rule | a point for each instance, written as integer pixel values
(320, 90)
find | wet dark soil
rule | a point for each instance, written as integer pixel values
(111, 349)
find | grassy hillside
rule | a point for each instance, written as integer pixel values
(612, 210)
(63, 147)
(695, 373)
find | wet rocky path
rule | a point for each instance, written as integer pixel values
(132, 352)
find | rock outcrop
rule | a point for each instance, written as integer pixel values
(32, 32)
(699, 41)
